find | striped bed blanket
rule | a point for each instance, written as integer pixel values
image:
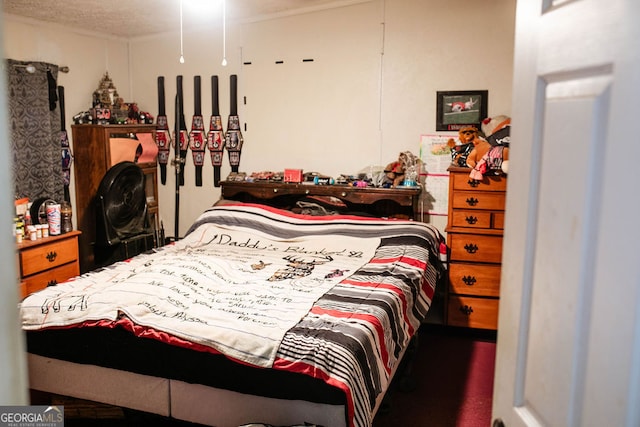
(336, 297)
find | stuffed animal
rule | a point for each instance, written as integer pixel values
(497, 131)
(394, 174)
(405, 168)
(462, 147)
(479, 147)
(496, 159)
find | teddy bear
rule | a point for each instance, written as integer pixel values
(471, 144)
(462, 146)
(394, 174)
(401, 171)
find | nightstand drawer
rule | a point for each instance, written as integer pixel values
(478, 200)
(462, 181)
(470, 312)
(474, 279)
(475, 248)
(50, 277)
(44, 257)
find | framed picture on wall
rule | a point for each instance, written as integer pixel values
(456, 109)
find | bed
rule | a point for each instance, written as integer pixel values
(258, 315)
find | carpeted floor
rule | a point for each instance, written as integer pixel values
(450, 385)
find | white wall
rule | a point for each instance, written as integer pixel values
(387, 60)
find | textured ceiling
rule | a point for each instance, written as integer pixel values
(133, 18)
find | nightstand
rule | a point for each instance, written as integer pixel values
(47, 261)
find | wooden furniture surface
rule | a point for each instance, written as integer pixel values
(47, 261)
(474, 237)
(93, 157)
(399, 201)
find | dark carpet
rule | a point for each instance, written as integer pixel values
(448, 383)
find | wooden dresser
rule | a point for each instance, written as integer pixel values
(474, 236)
(47, 261)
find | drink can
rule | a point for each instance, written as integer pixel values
(53, 218)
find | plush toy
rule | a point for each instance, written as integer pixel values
(463, 145)
(405, 168)
(496, 159)
(394, 173)
(497, 131)
(469, 134)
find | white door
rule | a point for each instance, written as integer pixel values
(569, 328)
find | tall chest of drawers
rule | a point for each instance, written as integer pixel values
(474, 236)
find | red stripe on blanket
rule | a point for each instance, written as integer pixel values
(401, 259)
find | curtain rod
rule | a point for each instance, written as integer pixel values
(30, 68)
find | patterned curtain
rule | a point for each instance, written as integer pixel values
(34, 117)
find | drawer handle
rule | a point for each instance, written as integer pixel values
(473, 183)
(52, 282)
(472, 201)
(275, 190)
(471, 248)
(466, 310)
(51, 256)
(469, 280)
(471, 220)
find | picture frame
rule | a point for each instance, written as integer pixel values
(457, 109)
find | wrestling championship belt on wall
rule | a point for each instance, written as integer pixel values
(196, 137)
(215, 138)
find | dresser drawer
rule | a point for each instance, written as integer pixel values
(498, 220)
(472, 312)
(474, 279)
(462, 181)
(50, 277)
(478, 200)
(475, 248)
(471, 219)
(44, 257)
